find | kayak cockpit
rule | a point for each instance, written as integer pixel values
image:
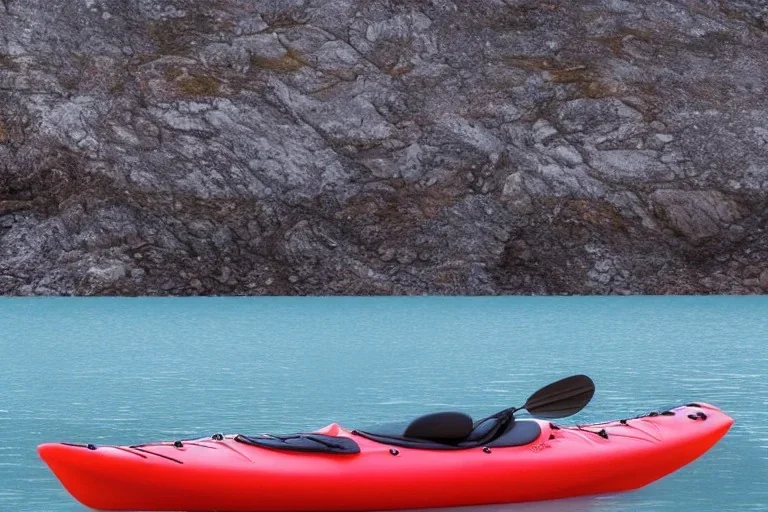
(457, 431)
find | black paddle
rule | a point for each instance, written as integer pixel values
(563, 398)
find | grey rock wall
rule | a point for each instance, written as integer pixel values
(379, 147)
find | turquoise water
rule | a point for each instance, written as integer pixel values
(111, 370)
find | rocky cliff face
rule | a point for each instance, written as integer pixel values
(377, 147)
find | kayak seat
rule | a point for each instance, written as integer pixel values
(314, 443)
(440, 426)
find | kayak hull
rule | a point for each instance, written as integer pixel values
(224, 475)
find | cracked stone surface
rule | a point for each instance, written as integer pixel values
(381, 147)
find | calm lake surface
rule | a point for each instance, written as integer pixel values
(110, 370)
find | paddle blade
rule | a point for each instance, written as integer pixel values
(562, 398)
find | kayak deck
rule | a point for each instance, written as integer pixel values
(225, 475)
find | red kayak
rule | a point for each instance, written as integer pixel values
(438, 460)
